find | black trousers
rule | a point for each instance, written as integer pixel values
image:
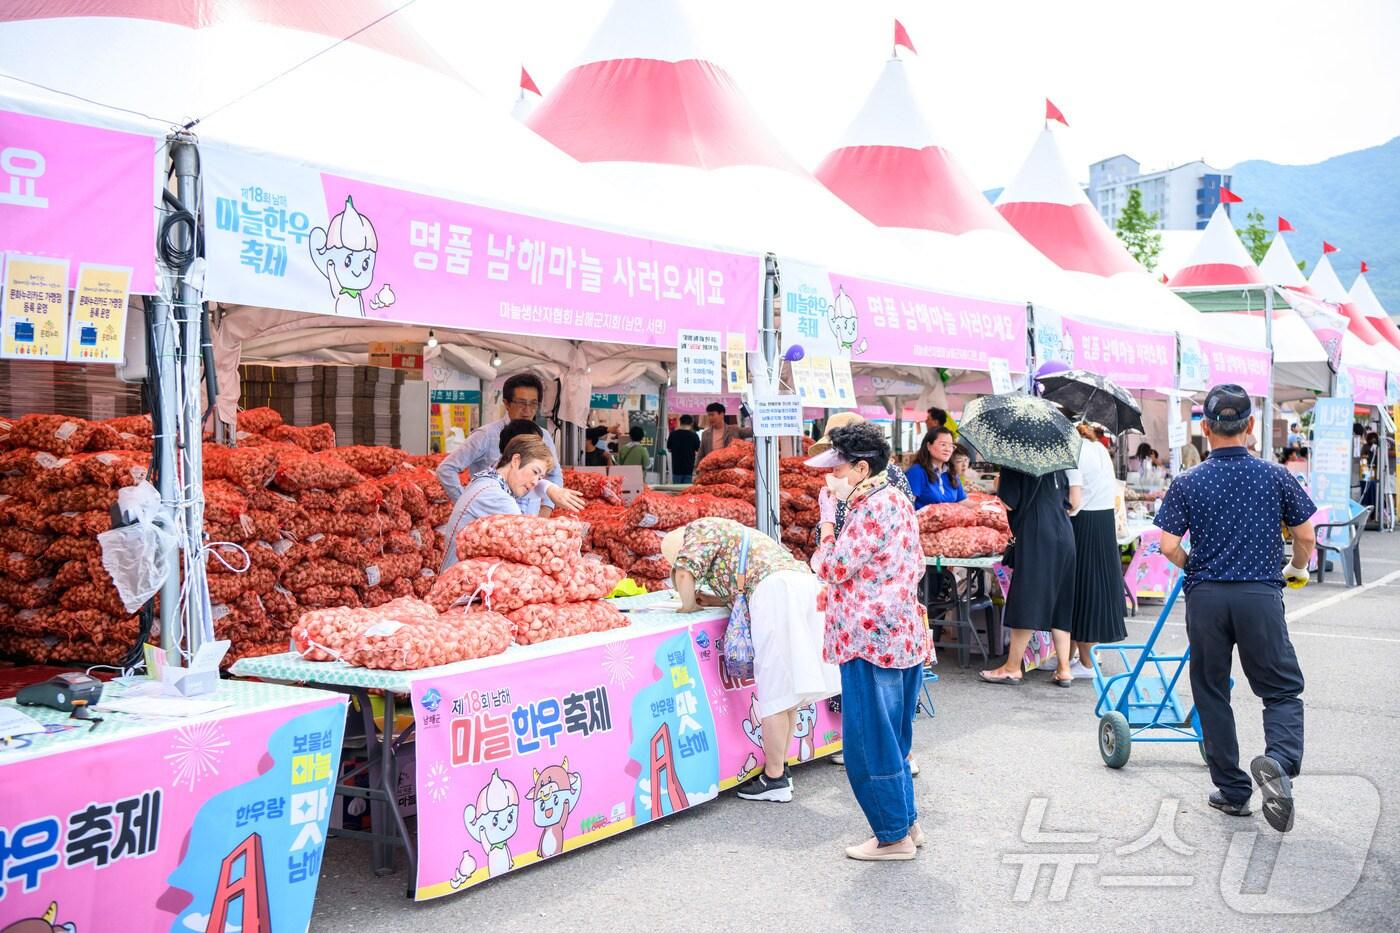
(1219, 617)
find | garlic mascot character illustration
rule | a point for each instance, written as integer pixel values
(344, 253)
(845, 325)
(492, 821)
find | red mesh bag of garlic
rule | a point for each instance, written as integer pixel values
(974, 541)
(544, 622)
(327, 634)
(659, 511)
(594, 486)
(457, 635)
(501, 585)
(548, 544)
(939, 516)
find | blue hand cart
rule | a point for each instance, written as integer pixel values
(1141, 704)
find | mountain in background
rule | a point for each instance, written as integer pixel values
(1351, 200)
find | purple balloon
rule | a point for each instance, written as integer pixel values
(794, 353)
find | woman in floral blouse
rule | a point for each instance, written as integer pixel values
(876, 632)
(787, 629)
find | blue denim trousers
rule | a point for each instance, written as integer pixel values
(877, 730)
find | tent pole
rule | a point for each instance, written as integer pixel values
(198, 615)
(163, 372)
(766, 448)
(1266, 440)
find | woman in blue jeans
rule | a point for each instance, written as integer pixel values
(877, 633)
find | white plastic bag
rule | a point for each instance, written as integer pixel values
(138, 556)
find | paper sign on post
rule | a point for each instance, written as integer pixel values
(736, 371)
(803, 381)
(698, 362)
(1176, 434)
(97, 328)
(822, 381)
(1000, 371)
(779, 416)
(34, 310)
(845, 385)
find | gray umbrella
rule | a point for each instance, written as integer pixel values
(1021, 432)
(1095, 398)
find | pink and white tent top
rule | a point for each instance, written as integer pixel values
(1219, 258)
(1280, 268)
(897, 171)
(1369, 305)
(1048, 208)
(646, 109)
(893, 167)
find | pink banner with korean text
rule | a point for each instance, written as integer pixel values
(284, 235)
(1133, 359)
(519, 763)
(217, 822)
(830, 314)
(909, 326)
(78, 192)
(1246, 368)
(1367, 386)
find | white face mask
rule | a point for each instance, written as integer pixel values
(841, 486)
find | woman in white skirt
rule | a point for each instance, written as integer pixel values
(709, 554)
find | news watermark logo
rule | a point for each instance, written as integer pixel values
(1258, 871)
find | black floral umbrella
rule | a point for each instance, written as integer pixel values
(1020, 432)
(1095, 398)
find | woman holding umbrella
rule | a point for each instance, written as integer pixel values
(1034, 445)
(1098, 584)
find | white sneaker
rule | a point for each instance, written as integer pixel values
(1049, 664)
(1079, 670)
(913, 766)
(838, 759)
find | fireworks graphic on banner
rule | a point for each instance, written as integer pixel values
(617, 663)
(195, 753)
(718, 701)
(438, 781)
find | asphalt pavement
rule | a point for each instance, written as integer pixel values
(1027, 828)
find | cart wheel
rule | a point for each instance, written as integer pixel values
(1201, 747)
(1115, 739)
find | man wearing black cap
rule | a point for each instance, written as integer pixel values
(1234, 505)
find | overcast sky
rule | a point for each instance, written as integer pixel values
(1166, 82)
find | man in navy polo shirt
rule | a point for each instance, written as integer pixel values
(1234, 505)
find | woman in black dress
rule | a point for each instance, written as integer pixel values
(1042, 579)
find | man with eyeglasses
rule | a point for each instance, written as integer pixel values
(521, 395)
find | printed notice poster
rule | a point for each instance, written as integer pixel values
(804, 382)
(34, 311)
(822, 381)
(698, 360)
(736, 371)
(97, 328)
(779, 416)
(845, 385)
(1000, 371)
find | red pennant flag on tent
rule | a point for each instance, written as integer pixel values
(1328, 248)
(901, 37)
(1053, 113)
(527, 83)
(1284, 226)
(1229, 197)
(1364, 268)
